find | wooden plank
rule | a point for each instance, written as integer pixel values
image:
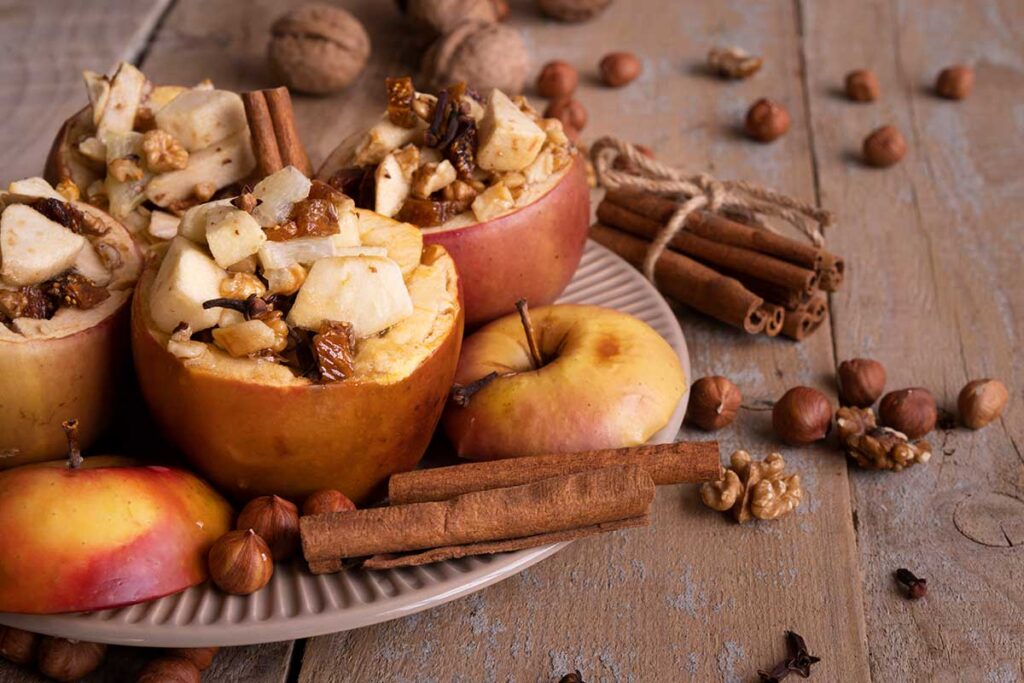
(936, 293)
(47, 44)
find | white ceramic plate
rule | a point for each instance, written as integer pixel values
(297, 604)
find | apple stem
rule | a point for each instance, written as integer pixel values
(462, 393)
(74, 450)
(531, 337)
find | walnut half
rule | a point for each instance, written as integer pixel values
(877, 448)
(754, 489)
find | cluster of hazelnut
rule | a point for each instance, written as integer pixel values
(61, 659)
(267, 531)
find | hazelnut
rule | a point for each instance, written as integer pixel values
(884, 147)
(170, 670)
(276, 521)
(955, 82)
(317, 49)
(557, 79)
(981, 402)
(860, 382)
(240, 562)
(572, 10)
(16, 645)
(619, 68)
(766, 120)
(713, 403)
(862, 86)
(440, 16)
(803, 415)
(202, 657)
(484, 55)
(570, 112)
(68, 660)
(326, 500)
(910, 411)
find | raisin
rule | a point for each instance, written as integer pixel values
(315, 218)
(334, 349)
(26, 302)
(72, 289)
(61, 212)
(400, 98)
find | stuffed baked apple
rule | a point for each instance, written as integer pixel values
(288, 341)
(501, 188)
(67, 271)
(146, 153)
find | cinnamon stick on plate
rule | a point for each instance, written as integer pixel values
(275, 138)
(673, 463)
(690, 282)
(568, 502)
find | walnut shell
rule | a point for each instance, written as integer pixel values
(318, 49)
(441, 16)
(572, 10)
(484, 55)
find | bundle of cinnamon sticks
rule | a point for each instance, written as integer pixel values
(503, 505)
(745, 276)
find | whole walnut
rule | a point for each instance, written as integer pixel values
(441, 16)
(484, 55)
(318, 49)
(572, 10)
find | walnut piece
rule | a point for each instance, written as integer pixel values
(163, 152)
(754, 490)
(241, 286)
(733, 62)
(125, 169)
(877, 448)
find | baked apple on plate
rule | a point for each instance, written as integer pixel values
(486, 177)
(67, 271)
(288, 341)
(146, 152)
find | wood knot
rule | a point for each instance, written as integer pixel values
(991, 519)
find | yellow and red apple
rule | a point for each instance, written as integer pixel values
(105, 534)
(607, 380)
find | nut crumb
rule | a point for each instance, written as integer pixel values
(733, 62)
(163, 152)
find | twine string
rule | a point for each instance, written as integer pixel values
(747, 201)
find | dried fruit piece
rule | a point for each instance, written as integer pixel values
(425, 212)
(334, 350)
(63, 213)
(315, 218)
(400, 99)
(78, 291)
(26, 302)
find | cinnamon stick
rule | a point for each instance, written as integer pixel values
(279, 101)
(756, 264)
(690, 282)
(776, 316)
(567, 502)
(799, 323)
(275, 138)
(687, 462)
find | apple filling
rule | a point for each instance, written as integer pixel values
(147, 153)
(451, 159)
(292, 283)
(63, 267)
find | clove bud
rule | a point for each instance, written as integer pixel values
(914, 586)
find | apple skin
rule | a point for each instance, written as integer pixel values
(530, 253)
(63, 162)
(104, 535)
(612, 382)
(254, 439)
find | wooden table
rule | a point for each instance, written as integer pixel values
(934, 247)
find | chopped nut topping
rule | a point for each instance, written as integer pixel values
(69, 190)
(285, 280)
(204, 191)
(431, 178)
(334, 349)
(25, 302)
(246, 202)
(401, 96)
(733, 62)
(423, 106)
(877, 448)
(460, 193)
(753, 489)
(242, 286)
(275, 321)
(721, 495)
(125, 169)
(78, 291)
(163, 152)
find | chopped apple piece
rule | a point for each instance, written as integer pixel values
(162, 95)
(220, 164)
(382, 139)
(122, 103)
(89, 264)
(199, 118)
(403, 241)
(492, 202)
(367, 292)
(33, 248)
(245, 338)
(34, 187)
(163, 225)
(432, 177)
(393, 183)
(125, 193)
(285, 280)
(277, 193)
(93, 150)
(187, 277)
(509, 139)
(232, 234)
(97, 87)
(307, 250)
(193, 221)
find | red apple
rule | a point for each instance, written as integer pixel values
(606, 380)
(106, 534)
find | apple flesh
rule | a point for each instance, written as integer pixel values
(103, 535)
(609, 381)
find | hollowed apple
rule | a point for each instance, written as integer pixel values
(256, 428)
(105, 534)
(604, 380)
(72, 365)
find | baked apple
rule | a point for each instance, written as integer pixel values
(501, 188)
(102, 533)
(578, 378)
(145, 153)
(67, 271)
(287, 341)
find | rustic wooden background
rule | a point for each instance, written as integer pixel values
(934, 247)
